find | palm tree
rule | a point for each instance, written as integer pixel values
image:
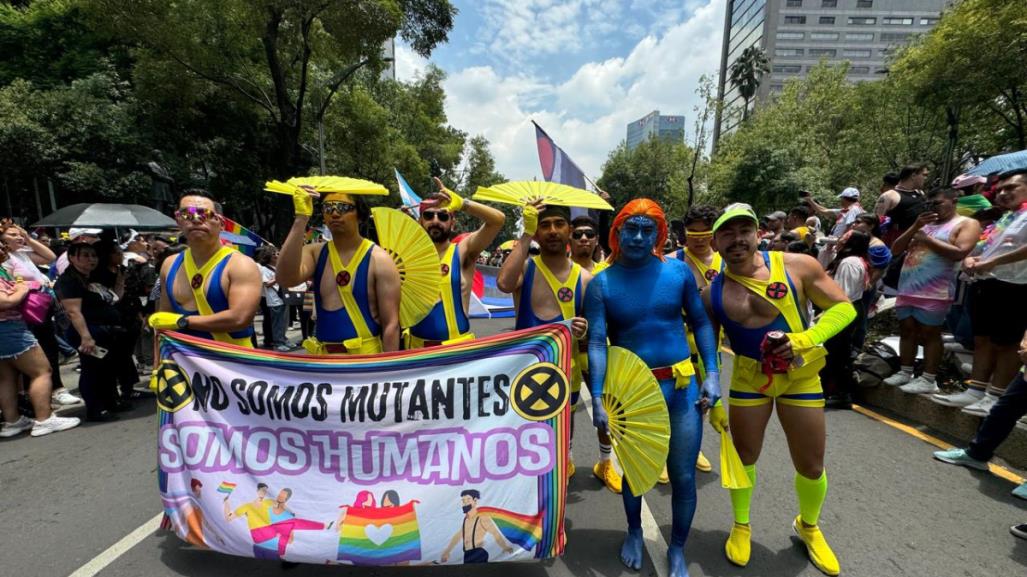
(746, 73)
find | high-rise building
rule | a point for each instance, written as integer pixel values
(797, 34)
(655, 125)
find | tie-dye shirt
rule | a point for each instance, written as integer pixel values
(928, 279)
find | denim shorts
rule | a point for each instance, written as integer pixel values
(15, 339)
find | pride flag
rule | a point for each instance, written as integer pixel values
(234, 228)
(408, 195)
(226, 487)
(380, 535)
(523, 530)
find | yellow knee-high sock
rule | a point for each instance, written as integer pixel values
(811, 493)
(742, 498)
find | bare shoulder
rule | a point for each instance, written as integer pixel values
(381, 257)
(803, 264)
(242, 264)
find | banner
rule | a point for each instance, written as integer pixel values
(448, 455)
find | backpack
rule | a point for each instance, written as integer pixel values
(877, 362)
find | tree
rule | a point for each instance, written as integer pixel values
(972, 62)
(655, 169)
(480, 170)
(746, 74)
(710, 108)
(274, 53)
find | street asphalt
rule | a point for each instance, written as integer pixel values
(891, 510)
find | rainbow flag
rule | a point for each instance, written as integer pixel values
(380, 535)
(523, 530)
(235, 228)
(226, 487)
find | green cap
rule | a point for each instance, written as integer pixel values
(733, 211)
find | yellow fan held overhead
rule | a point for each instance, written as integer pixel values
(522, 192)
(639, 423)
(416, 258)
(326, 184)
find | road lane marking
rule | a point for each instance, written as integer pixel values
(101, 561)
(655, 545)
(997, 470)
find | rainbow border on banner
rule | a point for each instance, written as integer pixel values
(548, 343)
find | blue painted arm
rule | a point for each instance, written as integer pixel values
(705, 339)
(595, 314)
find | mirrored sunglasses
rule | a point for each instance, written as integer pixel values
(195, 214)
(337, 207)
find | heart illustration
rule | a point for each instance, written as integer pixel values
(378, 535)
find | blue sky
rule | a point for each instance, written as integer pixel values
(582, 69)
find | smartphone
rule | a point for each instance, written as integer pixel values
(99, 352)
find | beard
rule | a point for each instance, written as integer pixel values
(437, 233)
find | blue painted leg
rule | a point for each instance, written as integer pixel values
(631, 550)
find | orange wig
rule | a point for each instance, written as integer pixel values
(639, 207)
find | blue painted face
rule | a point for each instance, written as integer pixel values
(637, 238)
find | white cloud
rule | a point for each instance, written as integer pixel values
(586, 114)
(409, 64)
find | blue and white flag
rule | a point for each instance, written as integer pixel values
(410, 198)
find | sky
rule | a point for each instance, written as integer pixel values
(581, 69)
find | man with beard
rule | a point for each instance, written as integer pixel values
(447, 323)
(637, 304)
(209, 290)
(583, 245)
(356, 283)
(759, 300)
(547, 288)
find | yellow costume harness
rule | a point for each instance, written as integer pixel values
(350, 277)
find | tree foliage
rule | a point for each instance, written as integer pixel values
(655, 169)
(747, 72)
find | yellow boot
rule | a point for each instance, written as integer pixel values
(703, 464)
(820, 552)
(739, 545)
(570, 468)
(664, 477)
(607, 473)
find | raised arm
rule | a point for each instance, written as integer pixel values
(480, 239)
(295, 264)
(511, 274)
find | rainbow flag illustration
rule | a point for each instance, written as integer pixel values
(523, 530)
(380, 535)
(237, 230)
(226, 487)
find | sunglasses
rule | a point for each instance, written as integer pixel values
(441, 215)
(195, 214)
(589, 234)
(336, 207)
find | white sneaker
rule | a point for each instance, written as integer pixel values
(65, 399)
(54, 424)
(920, 386)
(898, 379)
(967, 368)
(960, 399)
(17, 427)
(982, 407)
(1022, 423)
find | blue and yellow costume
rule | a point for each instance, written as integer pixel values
(639, 297)
(210, 301)
(447, 323)
(800, 386)
(568, 295)
(350, 329)
(707, 274)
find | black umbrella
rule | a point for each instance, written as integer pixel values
(108, 215)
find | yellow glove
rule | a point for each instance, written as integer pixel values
(530, 217)
(302, 202)
(718, 418)
(164, 321)
(456, 202)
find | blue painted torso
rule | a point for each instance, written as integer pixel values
(335, 326)
(216, 297)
